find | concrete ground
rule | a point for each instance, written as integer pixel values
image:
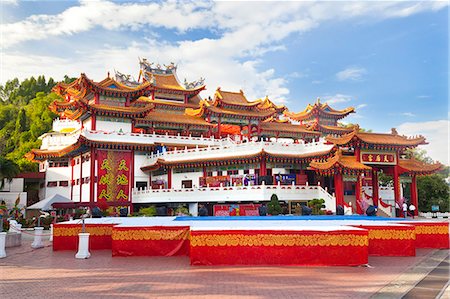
(42, 273)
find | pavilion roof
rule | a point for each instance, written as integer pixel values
(418, 167)
(392, 139)
(339, 162)
(233, 98)
(266, 103)
(37, 155)
(109, 86)
(275, 126)
(319, 108)
(207, 107)
(330, 129)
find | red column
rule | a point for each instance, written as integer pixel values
(375, 195)
(169, 177)
(339, 189)
(96, 98)
(92, 181)
(218, 128)
(185, 98)
(72, 162)
(397, 188)
(205, 174)
(262, 166)
(93, 122)
(130, 199)
(414, 195)
(358, 190)
(81, 176)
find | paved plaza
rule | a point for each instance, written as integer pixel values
(42, 273)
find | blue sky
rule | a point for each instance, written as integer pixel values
(389, 60)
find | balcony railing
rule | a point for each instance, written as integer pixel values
(230, 149)
(234, 194)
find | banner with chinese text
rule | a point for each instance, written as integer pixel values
(386, 158)
(114, 174)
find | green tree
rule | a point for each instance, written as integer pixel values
(433, 190)
(274, 207)
(8, 170)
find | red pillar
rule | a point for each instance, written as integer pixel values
(414, 195)
(397, 188)
(358, 194)
(205, 174)
(130, 199)
(262, 166)
(92, 181)
(218, 128)
(93, 122)
(375, 195)
(81, 176)
(339, 189)
(169, 177)
(72, 162)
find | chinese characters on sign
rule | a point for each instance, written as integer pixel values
(387, 158)
(114, 176)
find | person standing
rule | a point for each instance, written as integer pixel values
(405, 209)
(262, 210)
(412, 210)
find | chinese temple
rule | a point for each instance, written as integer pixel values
(155, 141)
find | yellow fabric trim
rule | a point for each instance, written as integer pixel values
(278, 240)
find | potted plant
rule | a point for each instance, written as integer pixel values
(274, 207)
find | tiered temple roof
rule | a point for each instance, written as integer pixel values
(376, 140)
(233, 105)
(318, 110)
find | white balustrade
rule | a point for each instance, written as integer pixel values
(234, 194)
(231, 149)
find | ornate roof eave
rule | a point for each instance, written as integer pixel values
(37, 155)
(121, 90)
(375, 140)
(339, 163)
(115, 145)
(413, 166)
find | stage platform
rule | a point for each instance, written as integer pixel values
(283, 240)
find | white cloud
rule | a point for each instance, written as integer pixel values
(409, 114)
(351, 74)
(360, 106)
(337, 98)
(437, 135)
(424, 97)
(243, 33)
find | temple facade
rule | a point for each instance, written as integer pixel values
(155, 141)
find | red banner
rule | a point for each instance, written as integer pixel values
(378, 158)
(114, 176)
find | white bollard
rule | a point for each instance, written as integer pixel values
(2, 244)
(51, 233)
(12, 226)
(83, 246)
(37, 242)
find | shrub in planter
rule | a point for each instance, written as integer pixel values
(149, 212)
(273, 207)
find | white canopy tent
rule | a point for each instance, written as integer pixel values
(46, 204)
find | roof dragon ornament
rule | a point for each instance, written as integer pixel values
(194, 84)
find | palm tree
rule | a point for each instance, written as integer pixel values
(8, 170)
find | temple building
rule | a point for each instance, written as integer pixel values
(155, 141)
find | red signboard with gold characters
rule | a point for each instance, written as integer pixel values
(386, 158)
(114, 174)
